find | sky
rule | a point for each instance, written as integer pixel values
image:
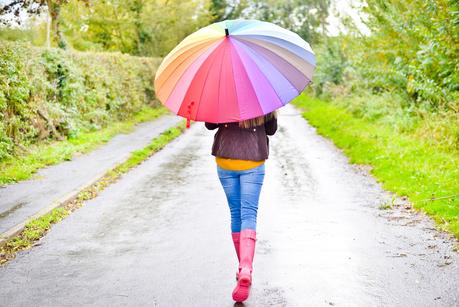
(346, 8)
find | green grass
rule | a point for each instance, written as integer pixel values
(32, 232)
(37, 228)
(21, 168)
(405, 164)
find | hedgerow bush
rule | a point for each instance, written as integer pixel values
(51, 94)
(404, 74)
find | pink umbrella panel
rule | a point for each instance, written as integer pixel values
(234, 70)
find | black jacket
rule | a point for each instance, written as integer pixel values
(234, 142)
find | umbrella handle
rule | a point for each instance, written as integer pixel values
(188, 119)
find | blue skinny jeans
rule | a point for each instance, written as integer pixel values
(242, 189)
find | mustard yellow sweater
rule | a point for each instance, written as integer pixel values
(237, 165)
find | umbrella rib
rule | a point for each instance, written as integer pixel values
(280, 73)
(254, 41)
(263, 74)
(180, 49)
(254, 37)
(235, 89)
(214, 47)
(219, 80)
(232, 76)
(207, 77)
(248, 77)
(181, 62)
(244, 40)
(292, 35)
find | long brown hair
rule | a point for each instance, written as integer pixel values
(257, 121)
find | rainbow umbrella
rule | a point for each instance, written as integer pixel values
(234, 70)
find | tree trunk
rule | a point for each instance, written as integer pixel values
(54, 8)
(48, 30)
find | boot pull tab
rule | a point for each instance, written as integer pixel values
(188, 118)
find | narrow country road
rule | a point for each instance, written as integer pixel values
(160, 236)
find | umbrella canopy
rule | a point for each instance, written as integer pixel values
(234, 70)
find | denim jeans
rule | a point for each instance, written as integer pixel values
(242, 189)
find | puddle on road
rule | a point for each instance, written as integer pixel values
(10, 211)
(133, 217)
(295, 172)
(263, 247)
(173, 174)
(269, 296)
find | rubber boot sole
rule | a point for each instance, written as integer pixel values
(242, 290)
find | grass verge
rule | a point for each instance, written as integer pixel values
(37, 228)
(21, 168)
(403, 163)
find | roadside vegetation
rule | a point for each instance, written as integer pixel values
(403, 162)
(390, 100)
(47, 153)
(51, 94)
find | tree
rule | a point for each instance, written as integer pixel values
(305, 17)
(36, 7)
(139, 27)
(222, 9)
(414, 49)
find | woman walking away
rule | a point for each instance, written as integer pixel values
(240, 150)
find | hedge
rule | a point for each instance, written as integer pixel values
(51, 94)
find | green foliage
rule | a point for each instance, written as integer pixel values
(32, 232)
(154, 27)
(413, 51)
(138, 27)
(405, 74)
(332, 65)
(305, 17)
(50, 94)
(403, 162)
(15, 112)
(219, 9)
(35, 35)
(419, 41)
(223, 9)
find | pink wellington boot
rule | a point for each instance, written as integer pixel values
(246, 253)
(236, 236)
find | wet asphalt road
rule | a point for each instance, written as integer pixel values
(161, 237)
(21, 200)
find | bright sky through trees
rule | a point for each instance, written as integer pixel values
(346, 8)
